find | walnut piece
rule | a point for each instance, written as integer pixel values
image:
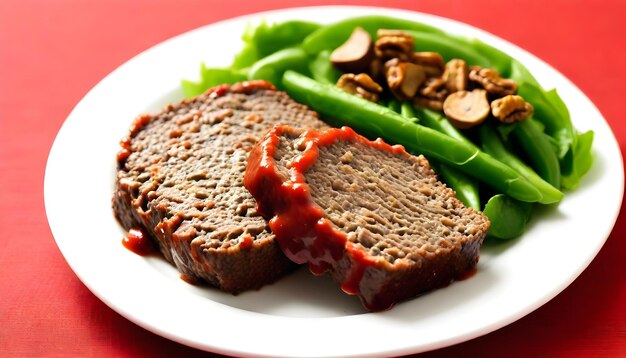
(433, 63)
(404, 78)
(466, 109)
(511, 108)
(361, 85)
(490, 80)
(455, 75)
(432, 93)
(393, 44)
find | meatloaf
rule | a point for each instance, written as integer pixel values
(371, 214)
(180, 179)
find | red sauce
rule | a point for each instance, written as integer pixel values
(190, 279)
(137, 241)
(241, 87)
(138, 124)
(246, 242)
(467, 274)
(298, 223)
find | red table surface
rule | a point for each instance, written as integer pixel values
(53, 52)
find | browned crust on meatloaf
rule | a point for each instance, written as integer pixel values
(374, 216)
(180, 180)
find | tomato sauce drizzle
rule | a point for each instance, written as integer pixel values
(298, 223)
(137, 241)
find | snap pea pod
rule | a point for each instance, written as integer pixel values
(534, 142)
(465, 186)
(322, 70)
(332, 36)
(272, 67)
(394, 105)
(264, 39)
(573, 148)
(498, 59)
(440, 123)
(493, 145)
(407, 111)
(508, 216)
(448, 47)
(370, 117)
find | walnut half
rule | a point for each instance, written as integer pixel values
(511, 108)
(490, 80)
(394, 44)
(361, 85)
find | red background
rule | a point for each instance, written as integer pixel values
(53, 52)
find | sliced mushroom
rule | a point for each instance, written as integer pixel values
(355, 54)
(466, 109)
(432, 93)
(404, 78)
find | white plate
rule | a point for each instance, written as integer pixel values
(302, 315)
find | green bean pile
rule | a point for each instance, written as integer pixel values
(505, 170)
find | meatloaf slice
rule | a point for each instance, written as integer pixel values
(180, 179)
(374, 216)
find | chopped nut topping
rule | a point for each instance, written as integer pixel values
(490, 80)
(433, 63)
(361, 85)
(466, 109)
(511, 108)
(404, 78)
(432, 93)
(434, 104)
(455, 75)
(377, 69)
(394, 44)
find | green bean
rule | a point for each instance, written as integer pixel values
(575, 158)
(271, 68)
(440, 123)
(272, 38)
(508, 216)
(465, 186)
(557, 124)
(520, 74)
(265, 39)
(498, 59)
(394, 105)
(364, 115)
(407, 111)
(492, 145)
(448, 47)
(536, 145)
(332, 36)
(322, 70)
